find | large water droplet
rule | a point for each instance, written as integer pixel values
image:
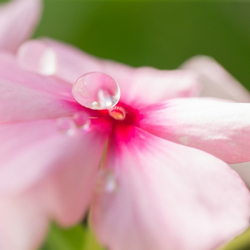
(96, 90)
(38, 57)
(66, 125)
(106, 182)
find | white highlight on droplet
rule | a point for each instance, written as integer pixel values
(96, 90)
(37, 56)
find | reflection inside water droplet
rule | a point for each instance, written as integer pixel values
(107, 183)
(96, 90)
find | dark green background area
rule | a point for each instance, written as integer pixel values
(155, 33)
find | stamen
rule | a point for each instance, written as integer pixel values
(117, 113)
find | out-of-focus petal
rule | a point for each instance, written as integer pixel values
(139, 86)
(161, 195)
(28, 96)
(31, 150)
(18, 19)
(68, 190)
(219, 128)
(23, 224)
(11, 71)
(217, 82)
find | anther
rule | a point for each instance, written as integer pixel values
(117, 113)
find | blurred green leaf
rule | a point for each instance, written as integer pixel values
(75, 238)
(241, 242)
(64, 239)
(90, 242)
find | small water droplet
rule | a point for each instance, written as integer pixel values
(106, 182)
(87, 126)
(66, 125)
(82, 121)
(38, 57)
(96, 90)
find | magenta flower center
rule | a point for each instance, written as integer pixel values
(100, 94)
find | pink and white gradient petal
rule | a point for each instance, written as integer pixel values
(68, 188)
(160, 200)
(23, 223)
(219, 128)
(41, 149)
(49, 85)
(17, 22)
(54, 58)
(29, 96)
(217, 82)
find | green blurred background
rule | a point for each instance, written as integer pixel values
(162, 34)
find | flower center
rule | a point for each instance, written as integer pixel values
(101, 94)
(118, 113)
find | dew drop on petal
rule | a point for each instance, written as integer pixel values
(96, 90)
(106, 182)
(37, 56)
(66, 125)
(82, 121)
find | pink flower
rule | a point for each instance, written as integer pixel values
(150, 192)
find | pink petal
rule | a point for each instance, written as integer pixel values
(11, 71)
(68, 190)
(219, 128)
(46, 147)
(216, 80)
(28, 96)
(161, 195)
(139, 87)
(18, 20)
(23, 225)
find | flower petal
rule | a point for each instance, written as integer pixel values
(68, 190)
(23, 225)
(167, 196)
(139, 86)
(28, 96)
(18, 19)
(219, 128)
(48, 147)
(217, 82)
